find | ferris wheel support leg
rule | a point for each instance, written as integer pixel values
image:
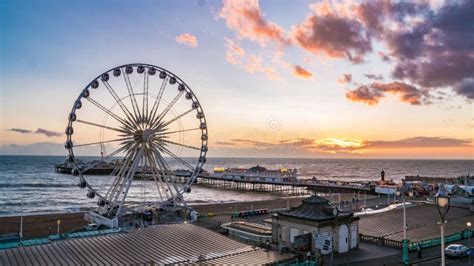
(129, 178)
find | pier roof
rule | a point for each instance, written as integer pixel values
(315, 208)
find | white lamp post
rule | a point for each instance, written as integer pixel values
(442, 201)
(468, 225)
(402, 192)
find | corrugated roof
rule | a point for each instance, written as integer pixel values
(164, 244)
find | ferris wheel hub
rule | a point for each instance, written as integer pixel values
(148, 135)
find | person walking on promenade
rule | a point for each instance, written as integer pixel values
(418, 250)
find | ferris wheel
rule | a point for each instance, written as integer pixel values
(150, 131)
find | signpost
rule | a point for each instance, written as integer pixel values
(323, 242)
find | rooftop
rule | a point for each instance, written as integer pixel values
(315, 208)
(164, 244)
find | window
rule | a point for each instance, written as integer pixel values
(293, 232)
(283, 233)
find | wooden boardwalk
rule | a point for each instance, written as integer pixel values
(157, 245)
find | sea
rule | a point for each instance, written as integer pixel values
(30, 185)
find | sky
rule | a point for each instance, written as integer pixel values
(350, 79)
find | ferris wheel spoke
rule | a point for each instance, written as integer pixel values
(145, 96)
(106, 141)
(183, 162)
(178, 131)
(165, 166)
(119, 150)
(156, 104)
(136, 110)
(125, 186)
(120, 103)
(165, 178)
(155, 173)
(179, 144)
(102, 126)
(166, 110)
(119, 172)
(176, 118)
(107, 111)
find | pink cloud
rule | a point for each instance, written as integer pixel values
(332, 32)
(236, 55)
(346, 78)
(246, 18)
(187, 39)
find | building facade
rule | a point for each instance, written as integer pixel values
(315, 216)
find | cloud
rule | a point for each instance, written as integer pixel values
(384, 57)
(431, 47)
(48, 133)
(420, 142)
(41, 131)
(246, 18)
(301, 72)
(374, 77)
(20, 130)
(466, 88)
(365, 94)
(342, 145)
(327, 32)
(236, 55)
(187, 39)
(346, 78)
(373, 93)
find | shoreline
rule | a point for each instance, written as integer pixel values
(41, 225)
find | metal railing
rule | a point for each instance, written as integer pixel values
(382, 241)
(50, 238)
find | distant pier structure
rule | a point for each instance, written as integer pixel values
(281, 181)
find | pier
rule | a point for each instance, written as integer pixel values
(298, 187)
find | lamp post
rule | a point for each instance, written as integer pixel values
(402, 192)
(442, 202)
(468, 225)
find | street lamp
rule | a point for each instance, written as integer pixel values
(442, 202)
(468, 225)
(403, 192)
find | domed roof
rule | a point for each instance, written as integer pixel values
(257, 169)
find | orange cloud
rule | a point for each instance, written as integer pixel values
(346, 78)
(373, 93)
(246, 18)
(187, 39)
(301, 72)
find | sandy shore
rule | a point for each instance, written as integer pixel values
(45, 224)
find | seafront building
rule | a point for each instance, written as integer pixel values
(318, 219)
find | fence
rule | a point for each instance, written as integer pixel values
(380, 240)
(437, 241)
(40, 241)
